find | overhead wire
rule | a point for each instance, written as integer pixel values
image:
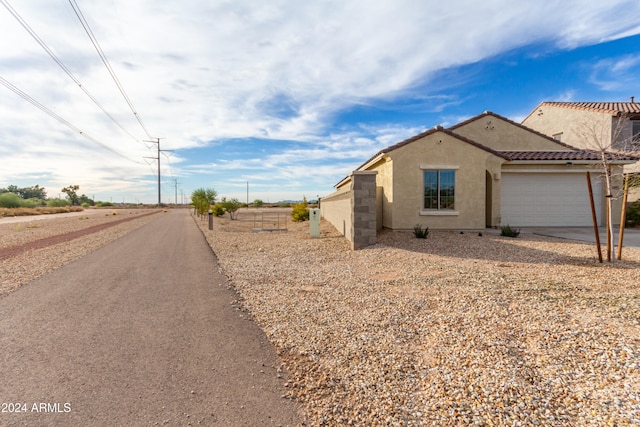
(57, 60)
(106, 63)
(65, 122)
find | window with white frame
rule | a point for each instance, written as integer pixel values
(439, 189)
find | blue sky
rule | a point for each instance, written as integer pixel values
(284, 95)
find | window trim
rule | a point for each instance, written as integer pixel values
(439, 212)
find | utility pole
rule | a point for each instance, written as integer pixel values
(157, 141)
(176, 188)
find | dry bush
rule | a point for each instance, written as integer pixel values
(9, 212)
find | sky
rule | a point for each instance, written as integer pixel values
(281, 98)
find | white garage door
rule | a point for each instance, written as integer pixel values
(548, 199)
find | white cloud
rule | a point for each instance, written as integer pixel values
(200, 71)
(615, 74)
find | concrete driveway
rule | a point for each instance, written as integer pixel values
(586, 234)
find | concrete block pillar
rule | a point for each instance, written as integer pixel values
(363, 212)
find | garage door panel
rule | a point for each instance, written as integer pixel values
(547, 199)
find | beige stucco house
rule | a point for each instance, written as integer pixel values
(616, 124)
(487, 171)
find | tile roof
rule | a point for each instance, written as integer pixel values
(429, 132)
(603, 107)
(576, 155)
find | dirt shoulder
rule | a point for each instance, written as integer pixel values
(65, 237)
(32, 248)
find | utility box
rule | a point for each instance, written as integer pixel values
(314, 222)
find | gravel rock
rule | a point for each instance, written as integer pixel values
(457, 329)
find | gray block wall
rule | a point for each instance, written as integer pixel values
(353, 212)
(363, 212)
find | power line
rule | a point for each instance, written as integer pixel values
(44, 109)
(106, 63)
(61, 64)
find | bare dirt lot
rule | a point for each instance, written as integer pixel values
(457, 329)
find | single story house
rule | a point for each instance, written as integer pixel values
(487, 171)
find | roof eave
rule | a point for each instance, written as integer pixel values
(375, 159)
(573, 162)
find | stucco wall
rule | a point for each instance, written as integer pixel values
(495, 133)
(384, 180)
(336, 209)
(571, 122)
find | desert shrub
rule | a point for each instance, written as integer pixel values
(257, 203)
(57, 203)
(300, 212)
(104, 204)
(507, 231)
(33, 203)
(419, 232)
(217, 209)
(10, 200)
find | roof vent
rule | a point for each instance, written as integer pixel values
(632, 99)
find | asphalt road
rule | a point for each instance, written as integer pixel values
(143, 331)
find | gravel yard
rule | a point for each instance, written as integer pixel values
(457, 329)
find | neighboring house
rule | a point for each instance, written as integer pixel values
(484, 172)
(617, 123)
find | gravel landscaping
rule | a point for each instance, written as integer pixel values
(457, 329)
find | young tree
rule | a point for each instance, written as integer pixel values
(231, 206)
(608, 137)
(203, 198)
(72, 194)
(300, 212)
